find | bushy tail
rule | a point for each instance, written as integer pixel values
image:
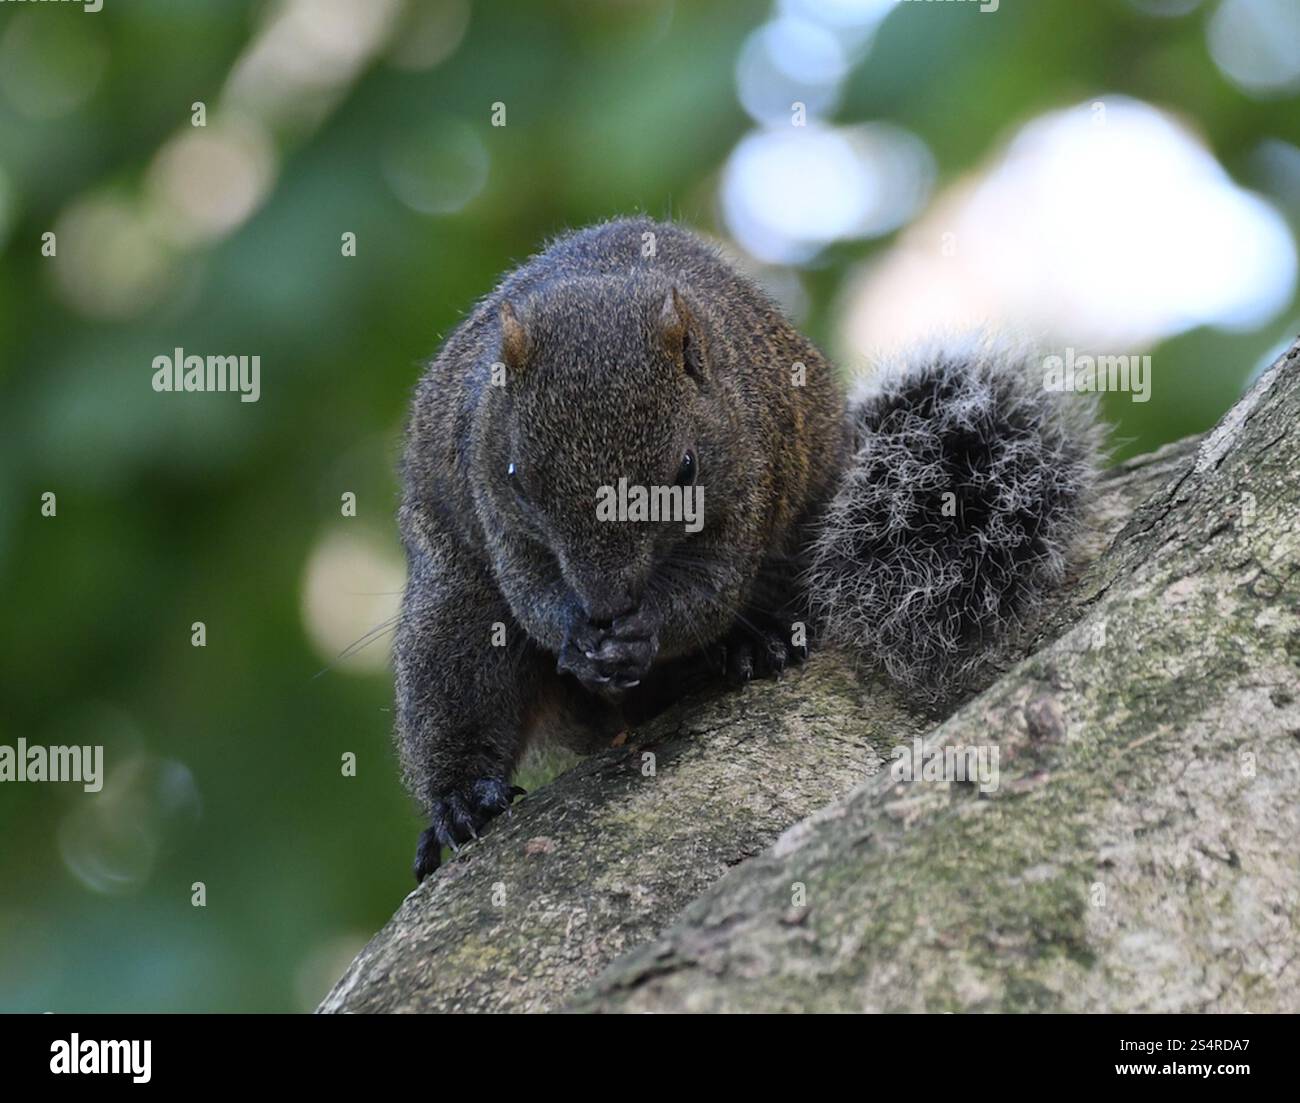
(967, 485)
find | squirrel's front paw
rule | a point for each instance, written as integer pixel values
(610, 660)
(760, 649)
(456, 817)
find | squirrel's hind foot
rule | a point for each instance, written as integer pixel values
(457, 816)
(759, 650)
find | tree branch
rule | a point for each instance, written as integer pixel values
(1140, 853)
(1120, 766)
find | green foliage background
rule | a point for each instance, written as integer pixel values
(174, 510)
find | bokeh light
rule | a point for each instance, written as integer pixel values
(429, 34)
(788, 61)
(113, 261)
(207, 180)
(305, 54)
(439, 168)
(1257, 45)
(148, 804)
(787, 194)
(351, 590)
(1105, 225)
(848, 17)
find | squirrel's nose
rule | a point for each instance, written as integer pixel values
(610, 599)
(606, 592)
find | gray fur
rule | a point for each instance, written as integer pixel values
(929, 596)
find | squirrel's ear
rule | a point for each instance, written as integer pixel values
(514, 338)
(681, 334)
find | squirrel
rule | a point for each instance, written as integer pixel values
(912, 525)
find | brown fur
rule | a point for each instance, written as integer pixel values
(616, 363)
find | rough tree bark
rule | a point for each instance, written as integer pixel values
(1141, 851)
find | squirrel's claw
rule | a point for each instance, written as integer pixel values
(428, 854)
(456, 817)
(740, 662)
(610, 660)
(759, 651)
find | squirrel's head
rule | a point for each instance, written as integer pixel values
(602, 437)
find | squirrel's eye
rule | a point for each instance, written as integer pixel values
(512, 477)
(689, 470)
